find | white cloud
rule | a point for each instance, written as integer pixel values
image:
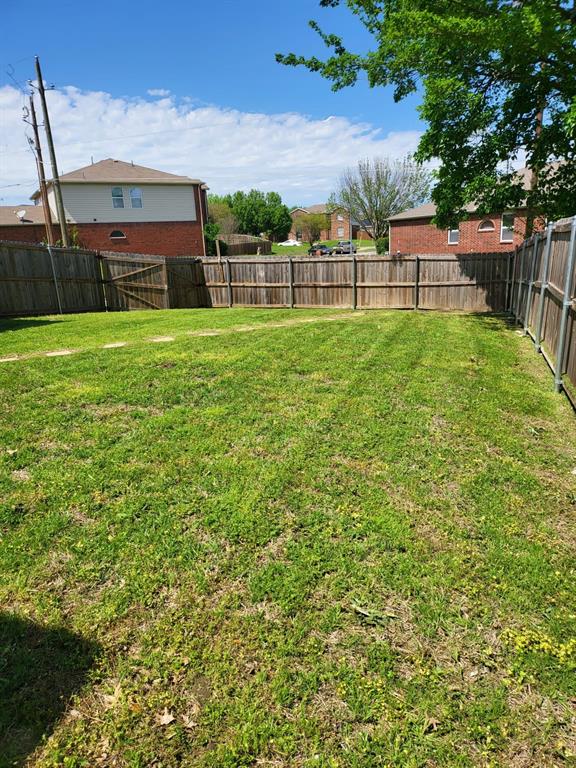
(158, 92)
(291, 153)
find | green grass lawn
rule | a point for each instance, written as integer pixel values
(302, 250)
(334, 544)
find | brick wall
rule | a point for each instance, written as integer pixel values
(26, 233)
(420, 236)
(158, 238)
(332, 230)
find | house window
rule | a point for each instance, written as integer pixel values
(136, 197)
(454, 236)
(340, 217)
(117, 234)
(507, 228)
(117, 197)
(340, 231)
(486, 225)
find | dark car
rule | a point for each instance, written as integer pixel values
(343, 246)
(320, 249)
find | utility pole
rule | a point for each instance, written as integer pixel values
(55, 177)
(41, 174)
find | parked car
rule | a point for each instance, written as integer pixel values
(289, 243)
(320, 249)
(343, 246)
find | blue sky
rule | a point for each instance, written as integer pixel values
(215, 56)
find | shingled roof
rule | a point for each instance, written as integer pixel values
(34, 214)
(118, 172)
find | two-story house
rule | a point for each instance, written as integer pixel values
(337, 223)
(118, 206)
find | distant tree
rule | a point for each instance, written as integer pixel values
(260, 213)
(220, 213)
(211, 232)
(498, 83)
(376, 189)
(311, 225)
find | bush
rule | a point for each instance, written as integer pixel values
(211, 231)
(382, 245)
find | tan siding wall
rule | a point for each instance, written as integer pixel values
(90, 203)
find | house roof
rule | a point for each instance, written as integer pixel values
(319, 208)
(34, 214)
(117, 171)
(428, 210)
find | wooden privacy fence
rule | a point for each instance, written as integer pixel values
(543, 298)
(471, 282)
(35, 279)
(244, 245)
(152, 282)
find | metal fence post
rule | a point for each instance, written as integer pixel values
(229, 282)
(566, 304)
(512, 270)
(531, 283)
(520, 281)
(55, 280)
(291, 282)
(543, 287)
(354, 282)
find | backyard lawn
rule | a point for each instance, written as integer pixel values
(280, 539)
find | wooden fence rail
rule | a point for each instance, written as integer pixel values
(35, 279)
(470, 282)
(543, 298)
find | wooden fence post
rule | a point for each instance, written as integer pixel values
(417, 283)
(510, 279)
(353, 266)
(229, 282)
(520, 281)
(543, 288)
(166, 286)
(531, 283)
(566, 305)
(291, 282)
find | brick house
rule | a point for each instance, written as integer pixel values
(337, 224)
(118, 206)
(412, 231)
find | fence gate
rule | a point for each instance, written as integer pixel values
(131, 283)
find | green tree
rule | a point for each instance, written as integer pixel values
(311, 226)
(498, 79)
(259, 213)
(379, 188)
(220, 213)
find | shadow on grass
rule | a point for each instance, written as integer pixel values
(19, 323)
(40, 669)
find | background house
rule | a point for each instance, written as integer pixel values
(117, 206)
(337, 224)
(412, 231)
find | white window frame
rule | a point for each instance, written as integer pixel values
(451, 232)
(117, 198)
(340, 231)
(489, 228)
(121, 236)
(137, 196)
(507, 229)
(340, 217)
